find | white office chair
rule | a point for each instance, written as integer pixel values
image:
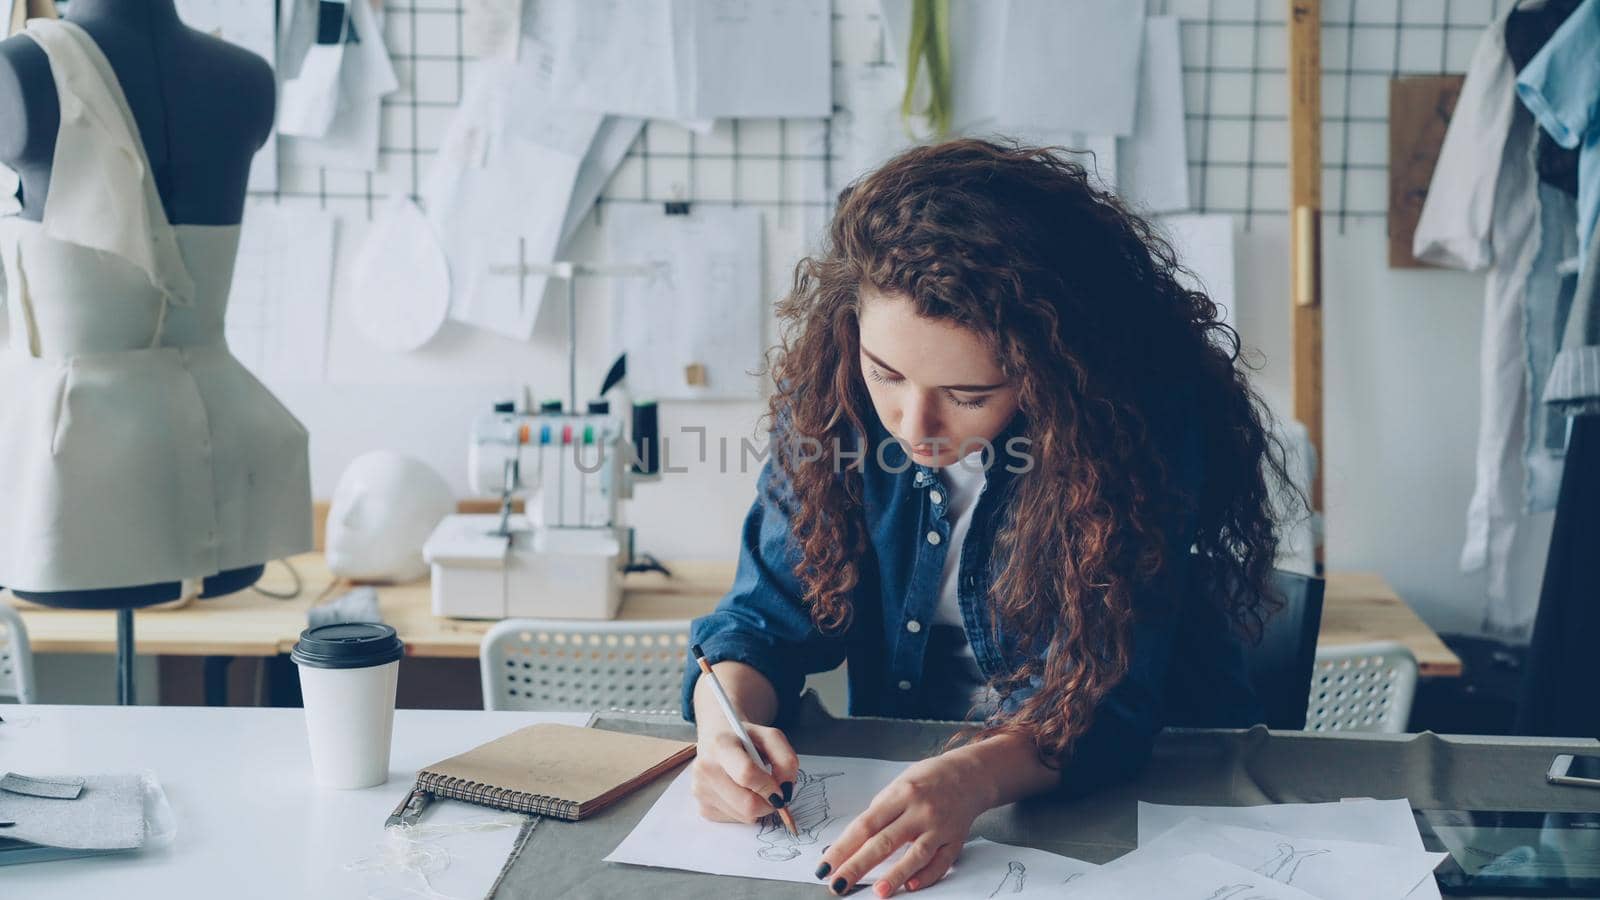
(564, 664)
(16, 659)
(1362, 687)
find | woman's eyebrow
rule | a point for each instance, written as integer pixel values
(964, 388)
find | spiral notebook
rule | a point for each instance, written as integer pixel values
(554, 770)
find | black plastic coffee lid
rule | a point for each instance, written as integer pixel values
(347, 645)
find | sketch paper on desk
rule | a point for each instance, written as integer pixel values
(249, 24)
(1386, 822)
(1071, 65)
(988, 869)
(830, 792)
(693, 329)
(366, 76)
(1193, 877)
(1330, 869)
(277, 323)
(1204, 244)
(1153, 162)
(498, 195)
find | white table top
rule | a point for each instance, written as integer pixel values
(250, 821)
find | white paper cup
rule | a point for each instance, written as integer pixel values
(348, 674)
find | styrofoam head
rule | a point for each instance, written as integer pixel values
(384, 508)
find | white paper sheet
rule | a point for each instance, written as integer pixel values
(498, 193)
(988, 869)
(277, 322)
(366, 76)
(867, 130)
(611, 143)
(694, 59)
(1204, 244)
(1071, 65)
(1329, 869)
(705, 307)
(490, 28)
(1153, 162)
(399, 282)
(249, 24)
(1195, 877)
(1387, 822)
(767, 60)
(830, 792)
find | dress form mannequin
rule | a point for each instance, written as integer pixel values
(202, 107)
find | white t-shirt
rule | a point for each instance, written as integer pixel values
(962, 482)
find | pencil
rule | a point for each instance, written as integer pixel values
(738, 728)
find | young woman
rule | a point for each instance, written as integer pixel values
(1016, 475)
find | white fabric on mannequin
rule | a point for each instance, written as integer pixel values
(134, 448)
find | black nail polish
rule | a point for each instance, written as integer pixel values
(788, 790)
(776, 800)
(839, 884)
(823, 870)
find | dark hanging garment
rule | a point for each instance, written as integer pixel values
(1558, 695)
(1527, 31)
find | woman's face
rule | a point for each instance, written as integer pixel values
(936, 385)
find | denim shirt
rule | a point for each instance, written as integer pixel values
(1185, 666)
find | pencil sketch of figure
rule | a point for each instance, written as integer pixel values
(1016, 877)
(1071, 878)
(1284, 866)
(809, 807)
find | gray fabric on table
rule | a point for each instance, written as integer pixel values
(1573, 386)
(564, 859)
(108, 815)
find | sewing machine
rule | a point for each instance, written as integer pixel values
(565, 555)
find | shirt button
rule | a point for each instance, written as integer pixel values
(935, 496)
(933, 538)
(905, 685)
(913, 626)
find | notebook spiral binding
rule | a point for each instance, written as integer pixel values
(497, 798)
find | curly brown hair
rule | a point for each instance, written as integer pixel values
(1080, 300)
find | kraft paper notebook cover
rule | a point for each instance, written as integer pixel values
(554, 770)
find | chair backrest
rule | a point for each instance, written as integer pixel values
(16, 659)
(1280, 666)
(565, 664)
(1362, 687)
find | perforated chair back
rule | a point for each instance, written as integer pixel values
(563, 664)
(1362, 687)
(16, 659)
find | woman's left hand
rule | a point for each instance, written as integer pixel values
(930, 807)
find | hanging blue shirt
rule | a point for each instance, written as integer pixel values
(1561, 87)
(1186, 667)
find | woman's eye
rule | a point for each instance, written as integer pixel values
(878, 376)
(968, 404)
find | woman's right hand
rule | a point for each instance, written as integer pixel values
(728, 786)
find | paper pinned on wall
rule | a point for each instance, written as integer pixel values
(1071, 65)
(277, 321)
(1154, 160)
(616, 134)
(693, 330)
(1205, 246)
(1329, 869)
(249, 24)
(867, 129)
(738, 45)
(694, 60)
(498, 193)
(399, 281)
(489, 28)
(366, 75)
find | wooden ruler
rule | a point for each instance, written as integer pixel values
(1305, 224)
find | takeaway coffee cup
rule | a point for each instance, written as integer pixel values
(348, 673)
